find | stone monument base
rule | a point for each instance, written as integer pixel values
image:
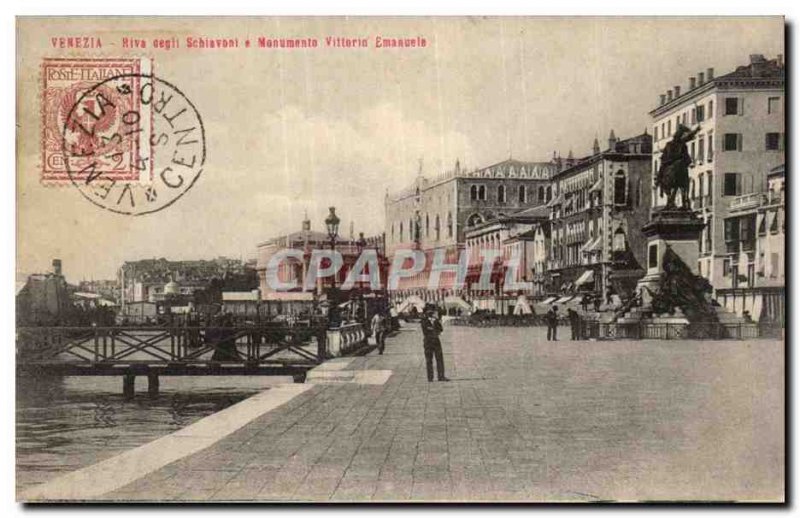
(668, 229)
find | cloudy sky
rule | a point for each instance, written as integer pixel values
(295, 131)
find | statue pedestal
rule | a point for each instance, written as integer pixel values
(678, 229)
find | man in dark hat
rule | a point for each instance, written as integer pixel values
(552, 323)
(431, 329)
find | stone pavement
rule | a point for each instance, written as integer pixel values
(522, 419)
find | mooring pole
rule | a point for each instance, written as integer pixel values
(128, 385)
(152, 385)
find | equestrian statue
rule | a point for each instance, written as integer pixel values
(673, 175)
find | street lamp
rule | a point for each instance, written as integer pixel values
(361, 244)
(332, 223)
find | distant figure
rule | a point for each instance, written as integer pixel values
(585, 303)
(431, 329)
(609, 297)
(596, 301)
(747, 318)
(378, 326)
(225, 349)
(574, 323)
(552, 323)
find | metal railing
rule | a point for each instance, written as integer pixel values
(592, 329)
(172, 345)
(677, 331)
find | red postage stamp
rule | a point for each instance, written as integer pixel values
(64, 81)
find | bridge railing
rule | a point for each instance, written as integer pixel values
(253, 344)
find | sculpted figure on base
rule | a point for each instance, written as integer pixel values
(673, 175)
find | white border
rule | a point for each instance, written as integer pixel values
(307, 7)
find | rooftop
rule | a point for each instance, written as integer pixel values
(760, 72)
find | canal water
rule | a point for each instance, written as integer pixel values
(63, 424)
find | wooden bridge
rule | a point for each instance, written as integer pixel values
(153, 351)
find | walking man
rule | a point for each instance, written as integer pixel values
(378, 325)
(431, 329)
(552, 323)
(574, 323)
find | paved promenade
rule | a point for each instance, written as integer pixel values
(522, 419)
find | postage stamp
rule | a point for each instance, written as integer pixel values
(64, 80)
(133, 143)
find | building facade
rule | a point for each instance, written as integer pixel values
(507, 236)
(437, 213)
(754, 272)
(145, 280)
(599, 205)
(294, 270)
(741, 124)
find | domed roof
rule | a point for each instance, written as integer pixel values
(172, 288)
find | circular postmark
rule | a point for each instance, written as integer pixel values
(133, 144)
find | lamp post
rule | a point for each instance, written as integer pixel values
(361, 244)
(332, 224)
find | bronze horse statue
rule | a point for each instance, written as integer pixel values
(673, 175)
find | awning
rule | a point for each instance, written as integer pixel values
(598, 185)
(555, 201)
(453, 301)
(548, 300)
(522, 307)
(592, 246)
(412, 301)
(586, 277)
(564, 300)
(294, 296)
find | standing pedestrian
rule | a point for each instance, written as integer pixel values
(552, 323)
(378, 325)
(431, 329)
(573, 324)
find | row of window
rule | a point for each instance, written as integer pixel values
(730, 269)
(696, 115)
(773, 141)
(733, 106)
(415, 230)
(478, 193)
(571, 253)
(733, 184)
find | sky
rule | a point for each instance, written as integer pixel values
(290, 132)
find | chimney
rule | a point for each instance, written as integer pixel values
(663, 99)
(677, 91)
(669, 95)
(756, 58)
(692, 83)
(57, 266)
(709, 74)
(780, 60)
(701, 78)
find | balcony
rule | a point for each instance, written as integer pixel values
(748, 201)
(774, 198)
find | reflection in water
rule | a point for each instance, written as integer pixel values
(65, 424)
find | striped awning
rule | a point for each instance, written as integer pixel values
(585, 278)
(591, 246)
